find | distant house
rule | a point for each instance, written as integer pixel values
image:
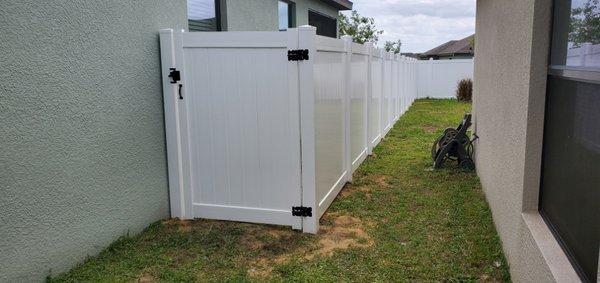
(260, 15)
(453, 49)
(410, 54)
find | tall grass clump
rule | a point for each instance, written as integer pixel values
(464, 90)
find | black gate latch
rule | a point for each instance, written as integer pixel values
(175, 75)
(301, 211)
(298, 55)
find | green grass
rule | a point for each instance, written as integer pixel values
(406, 223)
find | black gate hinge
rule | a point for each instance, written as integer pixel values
(175, 75)
(302, 211)
(298, 55)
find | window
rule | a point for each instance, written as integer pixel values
(576, 34)
(286, 15)
(570, 192)
(203, 15)
(326, 25)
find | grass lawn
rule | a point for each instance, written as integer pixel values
(398, 221)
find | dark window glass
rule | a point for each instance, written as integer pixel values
(326, 26)
(570, 194)
(576, 34)
(203, 15)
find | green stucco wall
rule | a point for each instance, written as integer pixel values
(81, 134)
(262, 15)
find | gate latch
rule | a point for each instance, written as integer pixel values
(175, 75)
(298, 55)
(302, 211)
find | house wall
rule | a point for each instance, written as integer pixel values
(262, 15)
(509, 96)
(82, 134)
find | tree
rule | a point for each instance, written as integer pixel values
(393, 46)
(362, 29)
(585, 24)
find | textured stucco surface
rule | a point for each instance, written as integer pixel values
(244, 15)
(82, 136)
(512, 43)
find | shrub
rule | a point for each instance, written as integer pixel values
(464, 90)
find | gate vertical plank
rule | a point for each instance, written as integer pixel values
(306, 40)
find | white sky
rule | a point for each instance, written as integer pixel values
(420, 24)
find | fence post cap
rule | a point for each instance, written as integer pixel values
(307, 27)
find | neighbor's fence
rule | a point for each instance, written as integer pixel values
(258, 134)
(587, 55)
(439, 78)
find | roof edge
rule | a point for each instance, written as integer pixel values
(340, 4)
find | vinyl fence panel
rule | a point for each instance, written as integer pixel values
(587, 55)
(329, 83)
(438, 78)
(387, 92)
(359, 77)
(375, 99)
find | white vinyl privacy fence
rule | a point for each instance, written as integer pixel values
(439, 78)
(267, 127)
(587, 55)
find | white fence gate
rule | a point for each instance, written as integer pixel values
(267, 127)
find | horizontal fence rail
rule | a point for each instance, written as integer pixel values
(267, 127)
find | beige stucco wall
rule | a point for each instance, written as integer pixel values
(512, 42)
(82, 138)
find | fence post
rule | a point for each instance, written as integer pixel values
(347, 105)
(369, 46)
(306, 40)
(397, 94)
(404, 93)
(169, 47)
(381, 122)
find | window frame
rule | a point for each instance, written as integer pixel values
(218, 17)
(326, 16)
(291, 14)
(558, 36)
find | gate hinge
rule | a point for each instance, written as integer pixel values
(302, 211)
(298, 55)
(175, 75)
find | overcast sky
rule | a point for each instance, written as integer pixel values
(420, 24)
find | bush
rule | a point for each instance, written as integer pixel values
(464, 90)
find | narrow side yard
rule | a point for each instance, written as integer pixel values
(398, 221)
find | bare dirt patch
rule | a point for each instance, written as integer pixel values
(146, 279)
(339, 232)
(351, 189)
(344, 232)
(379, 180)
(429, 129)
